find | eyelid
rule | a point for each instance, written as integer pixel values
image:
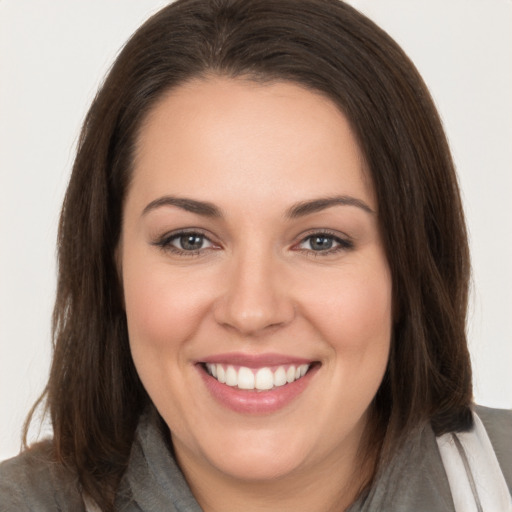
(164, 242)
(345, 242)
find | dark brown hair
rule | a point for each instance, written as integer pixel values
(94, 394)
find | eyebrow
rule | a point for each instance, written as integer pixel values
(316, 205)
(190, 205)
(300, 209)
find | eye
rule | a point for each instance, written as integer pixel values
(190, 242)
(185, 242)
(324, 243)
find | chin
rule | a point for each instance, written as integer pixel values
(262, 468)
(257, 456)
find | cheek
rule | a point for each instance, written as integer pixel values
(163, 307)
(351, 310)
(355, 314)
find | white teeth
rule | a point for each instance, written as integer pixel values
(221, 374)
(231, 377)
(212, 369)
(245, 378)
(261, 379)
(280, 377)
(264, 379)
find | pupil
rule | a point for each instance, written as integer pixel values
(191, 242)
(319, 243)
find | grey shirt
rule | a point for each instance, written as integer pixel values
(414, 481)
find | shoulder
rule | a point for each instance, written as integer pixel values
(34, 481)
(498, 424)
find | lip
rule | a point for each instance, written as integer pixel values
(251, 401)
(255, 360)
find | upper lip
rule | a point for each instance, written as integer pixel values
(255, 360)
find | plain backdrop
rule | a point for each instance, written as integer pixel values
(53, 56)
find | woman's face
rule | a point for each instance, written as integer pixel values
(257, 291)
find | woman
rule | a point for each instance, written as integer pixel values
(263, 274)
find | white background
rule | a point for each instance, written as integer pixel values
(53, 56)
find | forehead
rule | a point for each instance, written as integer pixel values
(209, 133)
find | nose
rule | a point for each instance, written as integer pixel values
(255, 298)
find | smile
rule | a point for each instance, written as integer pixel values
(259, 379)
(256, 384)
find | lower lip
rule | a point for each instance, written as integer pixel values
(256, 402)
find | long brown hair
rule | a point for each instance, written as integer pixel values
(94, 395)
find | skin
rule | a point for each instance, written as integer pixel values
(256, 286)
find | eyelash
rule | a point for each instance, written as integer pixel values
(165, 243)
(343, 244)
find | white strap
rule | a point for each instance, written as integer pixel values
(476, 481)
(90, 505)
